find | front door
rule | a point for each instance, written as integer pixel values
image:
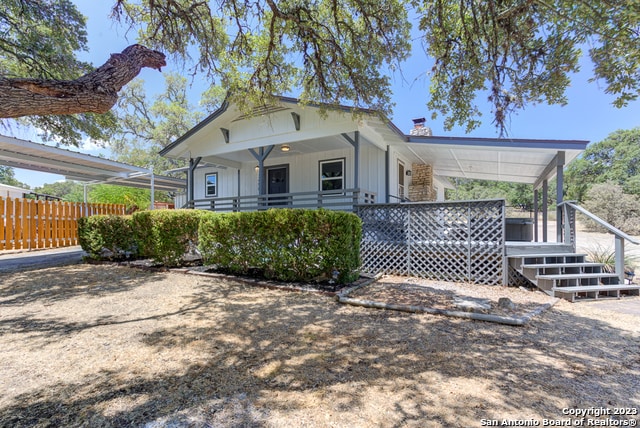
(278, 182)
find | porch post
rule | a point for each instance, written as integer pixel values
(387, 168)
(355, 142)
(261, 155)
(535, 215)
(193, 163)
(545, 208)
(559, 194)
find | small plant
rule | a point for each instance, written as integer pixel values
(607, 257)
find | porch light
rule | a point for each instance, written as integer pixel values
(408, 173)
(257, 168)
(285, 148)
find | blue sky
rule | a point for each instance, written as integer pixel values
(589, 114)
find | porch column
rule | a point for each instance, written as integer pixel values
(193, 163)
(355, 142)
(387, 168)
(559, 194)
(261, 155)
(545, 208)
(535, 215)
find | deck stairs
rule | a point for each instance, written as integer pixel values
(562, 273)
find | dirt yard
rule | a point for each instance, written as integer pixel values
(108, 345)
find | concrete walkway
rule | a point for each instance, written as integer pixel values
(38, 259)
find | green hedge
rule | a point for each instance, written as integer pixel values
(107, 236)
(285, 244)
(167, 235)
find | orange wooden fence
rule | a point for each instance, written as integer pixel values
(30, 224)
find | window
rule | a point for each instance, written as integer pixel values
(332, 175)
(211, 184)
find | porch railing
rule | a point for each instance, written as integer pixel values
(342, 200)
(568, 233)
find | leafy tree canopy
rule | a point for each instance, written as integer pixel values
(41, 39)
(147, 124)
(7, 176)
(513, 52)
(615, 159)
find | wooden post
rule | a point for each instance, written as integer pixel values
(620, 258)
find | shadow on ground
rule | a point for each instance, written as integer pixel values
(227, 354)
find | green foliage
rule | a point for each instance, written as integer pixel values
(516, 194)
(514, 53)
(167, 235)
(333, 51)
(611, 204)
(521, 53)
(148, 125)
(67, 190)
(41, 39)
(132, 198)
(8, 177)
(615, 159)
(107, 236)
(607, 256)
(287, 245)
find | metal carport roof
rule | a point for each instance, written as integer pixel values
(25, 154)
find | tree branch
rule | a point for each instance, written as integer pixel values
(95, 92)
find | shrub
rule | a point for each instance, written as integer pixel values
(107, 236)
(610, 203)
(167, 235)
(285, 244)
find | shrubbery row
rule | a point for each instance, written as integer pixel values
(281, 244)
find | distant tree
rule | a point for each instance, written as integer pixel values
(133, 198)
(615, 159)
(516, 194)
(148, 124)
(609, 202)
(67, 190)
(7, 176)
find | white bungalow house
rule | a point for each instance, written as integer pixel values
(302, 156)
(335, 159)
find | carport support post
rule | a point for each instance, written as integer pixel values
(153, 189)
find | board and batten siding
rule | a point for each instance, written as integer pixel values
(304, 173)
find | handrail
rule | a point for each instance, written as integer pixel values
(601, 222)
(620, 236)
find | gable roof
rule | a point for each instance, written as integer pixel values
(500, 159)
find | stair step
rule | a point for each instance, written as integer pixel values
(538, 255)
(593, 291)
(559, 265)
(586, 288)
(577, 276)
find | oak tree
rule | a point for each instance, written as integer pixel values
(513, 52)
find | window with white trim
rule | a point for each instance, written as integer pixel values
(211, 184)
(332, 174)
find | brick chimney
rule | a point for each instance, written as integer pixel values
(419, 129)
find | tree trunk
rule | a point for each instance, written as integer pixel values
(95, 92)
